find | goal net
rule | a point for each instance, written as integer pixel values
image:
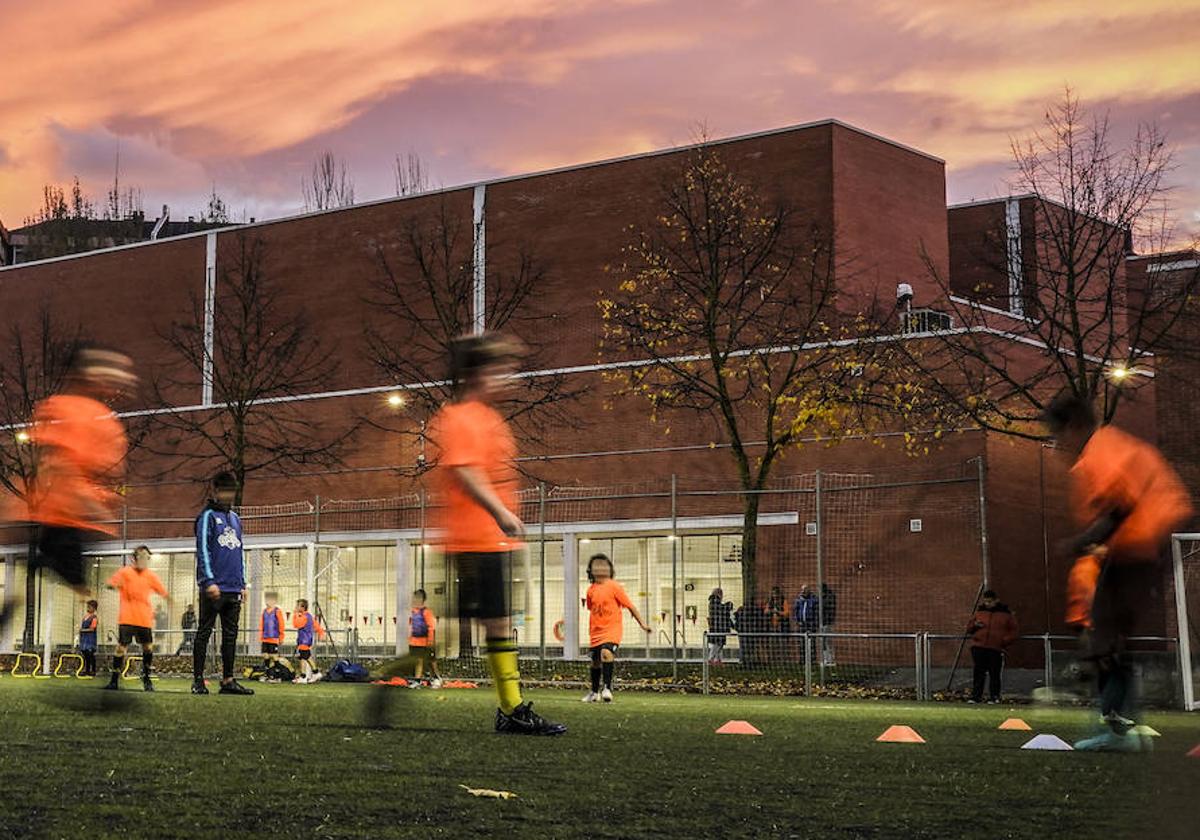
(1183, 608)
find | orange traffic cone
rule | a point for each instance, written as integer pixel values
(1195, 752)
(1016, 723)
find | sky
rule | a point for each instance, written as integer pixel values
(241, 95)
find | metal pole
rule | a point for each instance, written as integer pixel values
(820, 576)
(808, 648)
(542, 594)
(317, 522)
(983, 533)
(917, 664)
(124, 525)
(422, 552)
(674, 579)
(1047, 653)
(704, 678)
(1185, 642)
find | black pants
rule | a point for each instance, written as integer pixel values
(1124, 594)
(229, 608)
(988, 664)
(89, 662)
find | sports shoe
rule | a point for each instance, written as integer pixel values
(316, 677)
(437, 683)
(1110, 742)
(146, 684)
(233, 687)
(995, 701)
(591, 697)
(524, 721)
(198, 687)
(113, 685)
(606, 695)
(299, 680)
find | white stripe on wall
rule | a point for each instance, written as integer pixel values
(210, 302)
(1016, 266)
(479, 264)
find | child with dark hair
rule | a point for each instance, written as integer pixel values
(421, 626)
(1127, 501)
(135, 618)
(605, 598)
(87, 639)
(221, 576)
(308, 630)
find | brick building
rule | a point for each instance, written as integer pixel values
(905, 541)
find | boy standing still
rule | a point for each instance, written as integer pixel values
(135, 617)
(270, 633)
(308, 629)
(421, 626)
(221, 576)
(87, 639)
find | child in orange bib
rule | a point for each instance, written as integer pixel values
(605, 599)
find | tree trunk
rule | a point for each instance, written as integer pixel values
(30, 590)
(750, 502)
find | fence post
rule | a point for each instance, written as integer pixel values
(124, 525)
(1049, 666)
(404, 588)
(674, 579)
(917, 665)
(317, 521)
(808, 647)
(542, 587)
(704, 677)
(421, 555)
(820, 574)
(1181, 626)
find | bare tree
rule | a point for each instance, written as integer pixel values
(411, 175)
(328, 185)
(424, 294)
(216, 211)
(729, 297)
(33, 366)
(1075, 320)
(263, 353)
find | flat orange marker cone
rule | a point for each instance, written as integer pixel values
(738, 727)
(1016, 723)
(1195, 752)
(901, 735)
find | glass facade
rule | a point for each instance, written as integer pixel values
(355, 587)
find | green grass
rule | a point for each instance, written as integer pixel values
(294, 759)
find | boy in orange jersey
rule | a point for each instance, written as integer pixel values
(605, 598)
(270, 633)
(477, 477)
(135, 618)
(308, 630)
(81, 447)
(1128, 501)
(421, 626)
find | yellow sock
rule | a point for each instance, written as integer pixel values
(506, 675)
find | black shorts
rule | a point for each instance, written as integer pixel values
(270, 647)
(1125, 594)
(423, 652)
(127, 633)
(61, 549)
(609, 646)
(482, 584)
(304, 654)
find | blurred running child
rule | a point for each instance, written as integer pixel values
(605, 598)
(80, 447)
(87, 639)
(307, 630)
(135, 617)
(421, 643)
(1127, 501)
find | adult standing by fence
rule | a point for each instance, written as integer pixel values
(993, 628)
(720, 622)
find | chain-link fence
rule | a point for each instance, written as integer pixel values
(827, 581)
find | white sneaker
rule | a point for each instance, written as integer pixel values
(317, 677)
(606, 695)
(591, 697)
(437, 683)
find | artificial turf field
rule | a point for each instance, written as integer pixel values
(295, 760)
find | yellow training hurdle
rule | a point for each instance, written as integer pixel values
(37, 665)
(64, 658)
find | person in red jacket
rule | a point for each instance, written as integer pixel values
(992, 630)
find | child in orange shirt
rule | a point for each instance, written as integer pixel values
(135, 617)
(605, 598)
(421, 626)
(308, 629)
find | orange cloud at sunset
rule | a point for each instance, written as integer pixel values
(243, 94)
